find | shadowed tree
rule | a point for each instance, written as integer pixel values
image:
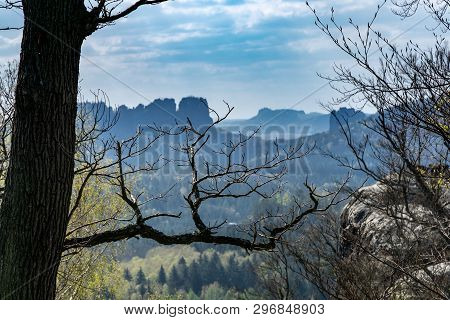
(195, 277)
(143, 290)
(406, 152)
(127, 275)
(162, 278)
(36, 199)
(46, 153)
(174, 280)
(183, 273)
(140, 277)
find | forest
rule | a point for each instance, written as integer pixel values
(167, 201)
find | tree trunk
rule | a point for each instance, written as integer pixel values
(34, 211)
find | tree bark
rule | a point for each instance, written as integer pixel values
(34, 211)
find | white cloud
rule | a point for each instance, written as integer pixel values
(6, 43)
(312, 45)
(249, 13)
(245, 14)
(163, 38)
(105, 45)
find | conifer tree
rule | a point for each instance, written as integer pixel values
(162, 278)
(232, 272)
(142, 289)
(141, 279)
(195, 280)
(127, 275)
(216, 269)
(174, 280)
(182, 270)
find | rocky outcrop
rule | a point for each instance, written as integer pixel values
(401, 241)
(194, 109)
(278, 116)
(344, 115)
(282, 123)
(162, 112)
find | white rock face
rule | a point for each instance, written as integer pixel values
(377, 223)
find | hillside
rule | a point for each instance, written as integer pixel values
(282, 122)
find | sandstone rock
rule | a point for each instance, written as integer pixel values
(378, 227)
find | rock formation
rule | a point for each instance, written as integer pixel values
(162, 112)
(344, 115)
(401, 245)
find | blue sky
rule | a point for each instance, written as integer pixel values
(250, 53)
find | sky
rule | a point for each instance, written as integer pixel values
(249, 53)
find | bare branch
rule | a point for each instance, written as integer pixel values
(106, 13)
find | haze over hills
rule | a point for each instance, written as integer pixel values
(317, 168)
(294, 123)
(290, 127)
(161, 112)
(279, 123)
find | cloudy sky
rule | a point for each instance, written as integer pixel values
(250, 53)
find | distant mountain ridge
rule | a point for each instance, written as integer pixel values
(280, 115)
(279, 123)
(318, 169)
(161, 112)
(293, 123)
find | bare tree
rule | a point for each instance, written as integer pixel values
(231, 177)
(406, 151)
(37, 194)
(275, 273)
(103, 161)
